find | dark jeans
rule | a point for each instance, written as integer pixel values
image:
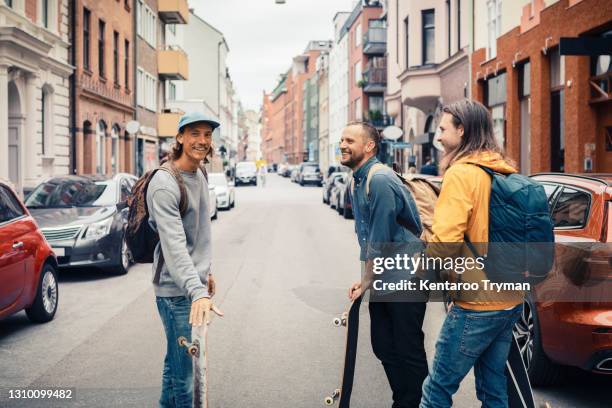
(177, 377)
(398, 342)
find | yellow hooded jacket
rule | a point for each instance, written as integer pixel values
(463, 209)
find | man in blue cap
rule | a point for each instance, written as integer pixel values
(183, 284)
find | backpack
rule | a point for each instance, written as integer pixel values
(141, 239)
(423, 191)
(521, 239)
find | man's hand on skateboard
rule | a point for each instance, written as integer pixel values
(200, 311)
(355, 291)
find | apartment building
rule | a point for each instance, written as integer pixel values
(34, 91)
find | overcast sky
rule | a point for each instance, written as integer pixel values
(263, 37)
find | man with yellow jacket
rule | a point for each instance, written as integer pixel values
(477, 331)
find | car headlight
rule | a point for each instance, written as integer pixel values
(99, 229)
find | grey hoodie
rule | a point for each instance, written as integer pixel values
(186, 241)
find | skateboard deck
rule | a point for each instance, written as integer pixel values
(350, 320)
(198, 349)
(520, 394)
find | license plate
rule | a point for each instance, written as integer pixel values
(59, 251)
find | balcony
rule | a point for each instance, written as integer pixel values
(174, 11)
(421, 87)
(375, 79)
(375, 41)
(172, 63)
(379, 120)
(167, 122)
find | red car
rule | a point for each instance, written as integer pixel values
(28, 278)
(570, 323)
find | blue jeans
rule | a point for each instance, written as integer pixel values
(471, 339)
(177, 384)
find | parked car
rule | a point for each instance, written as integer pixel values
(212, 198)
(553, 334)
(284, 170)
(345, 207)
(246, 173)
(224, 191)
(310, 173)
(295, 171)
(84, 219)
(328, 185)
(28, 267)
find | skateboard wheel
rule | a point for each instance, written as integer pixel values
(337, 322)
(193, 350)
(344, 322)
(329, 401)
(182, 341)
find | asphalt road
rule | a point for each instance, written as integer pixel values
(283, 263)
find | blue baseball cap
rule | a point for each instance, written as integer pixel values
(194, 117)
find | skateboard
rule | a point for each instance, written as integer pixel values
(520, 394)
(350, 320)
(198, 350)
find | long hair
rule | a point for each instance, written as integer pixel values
(177, 151)
(477, 131)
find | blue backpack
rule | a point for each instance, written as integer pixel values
(521, 239)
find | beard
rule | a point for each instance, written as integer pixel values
(352, 160)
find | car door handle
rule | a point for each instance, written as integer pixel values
(17, 245)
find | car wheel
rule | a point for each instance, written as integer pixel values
(233, 204)
(125, 259)
(340, 209)
(214, 217)
(45, 304)
(541, 370)
(347, 214)
(302, 183)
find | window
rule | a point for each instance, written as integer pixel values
(9, 206)
(116, 56)
(171, 91)
(571, 209)
(493, 26)
(101, 32)
(407, 39)
(86, 37)
(146, 23)
(101, 148)
(358, 113)
(557, 134)
(126, 64)
(172, 28)
(358, 35)
(44, 104)
(458, 25)
(357, 71)
(428, 19)
(448, 19)
(146, 90)
(496, 100)
(9, 3)
(115, 149)
(45, 13)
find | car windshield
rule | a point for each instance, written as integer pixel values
(217, 179)
(245, 167)
(72, 193)
(310, 169)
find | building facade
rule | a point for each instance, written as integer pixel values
(159, 64)
(520, 73)
(428, 43)
(103, 98)
(338, 87)
(34, 91)
(210, 91)
(323, 108)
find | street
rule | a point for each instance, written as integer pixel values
(283, 262)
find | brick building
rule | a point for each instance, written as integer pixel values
(103, 86)
(552, 112)
(34, 91)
